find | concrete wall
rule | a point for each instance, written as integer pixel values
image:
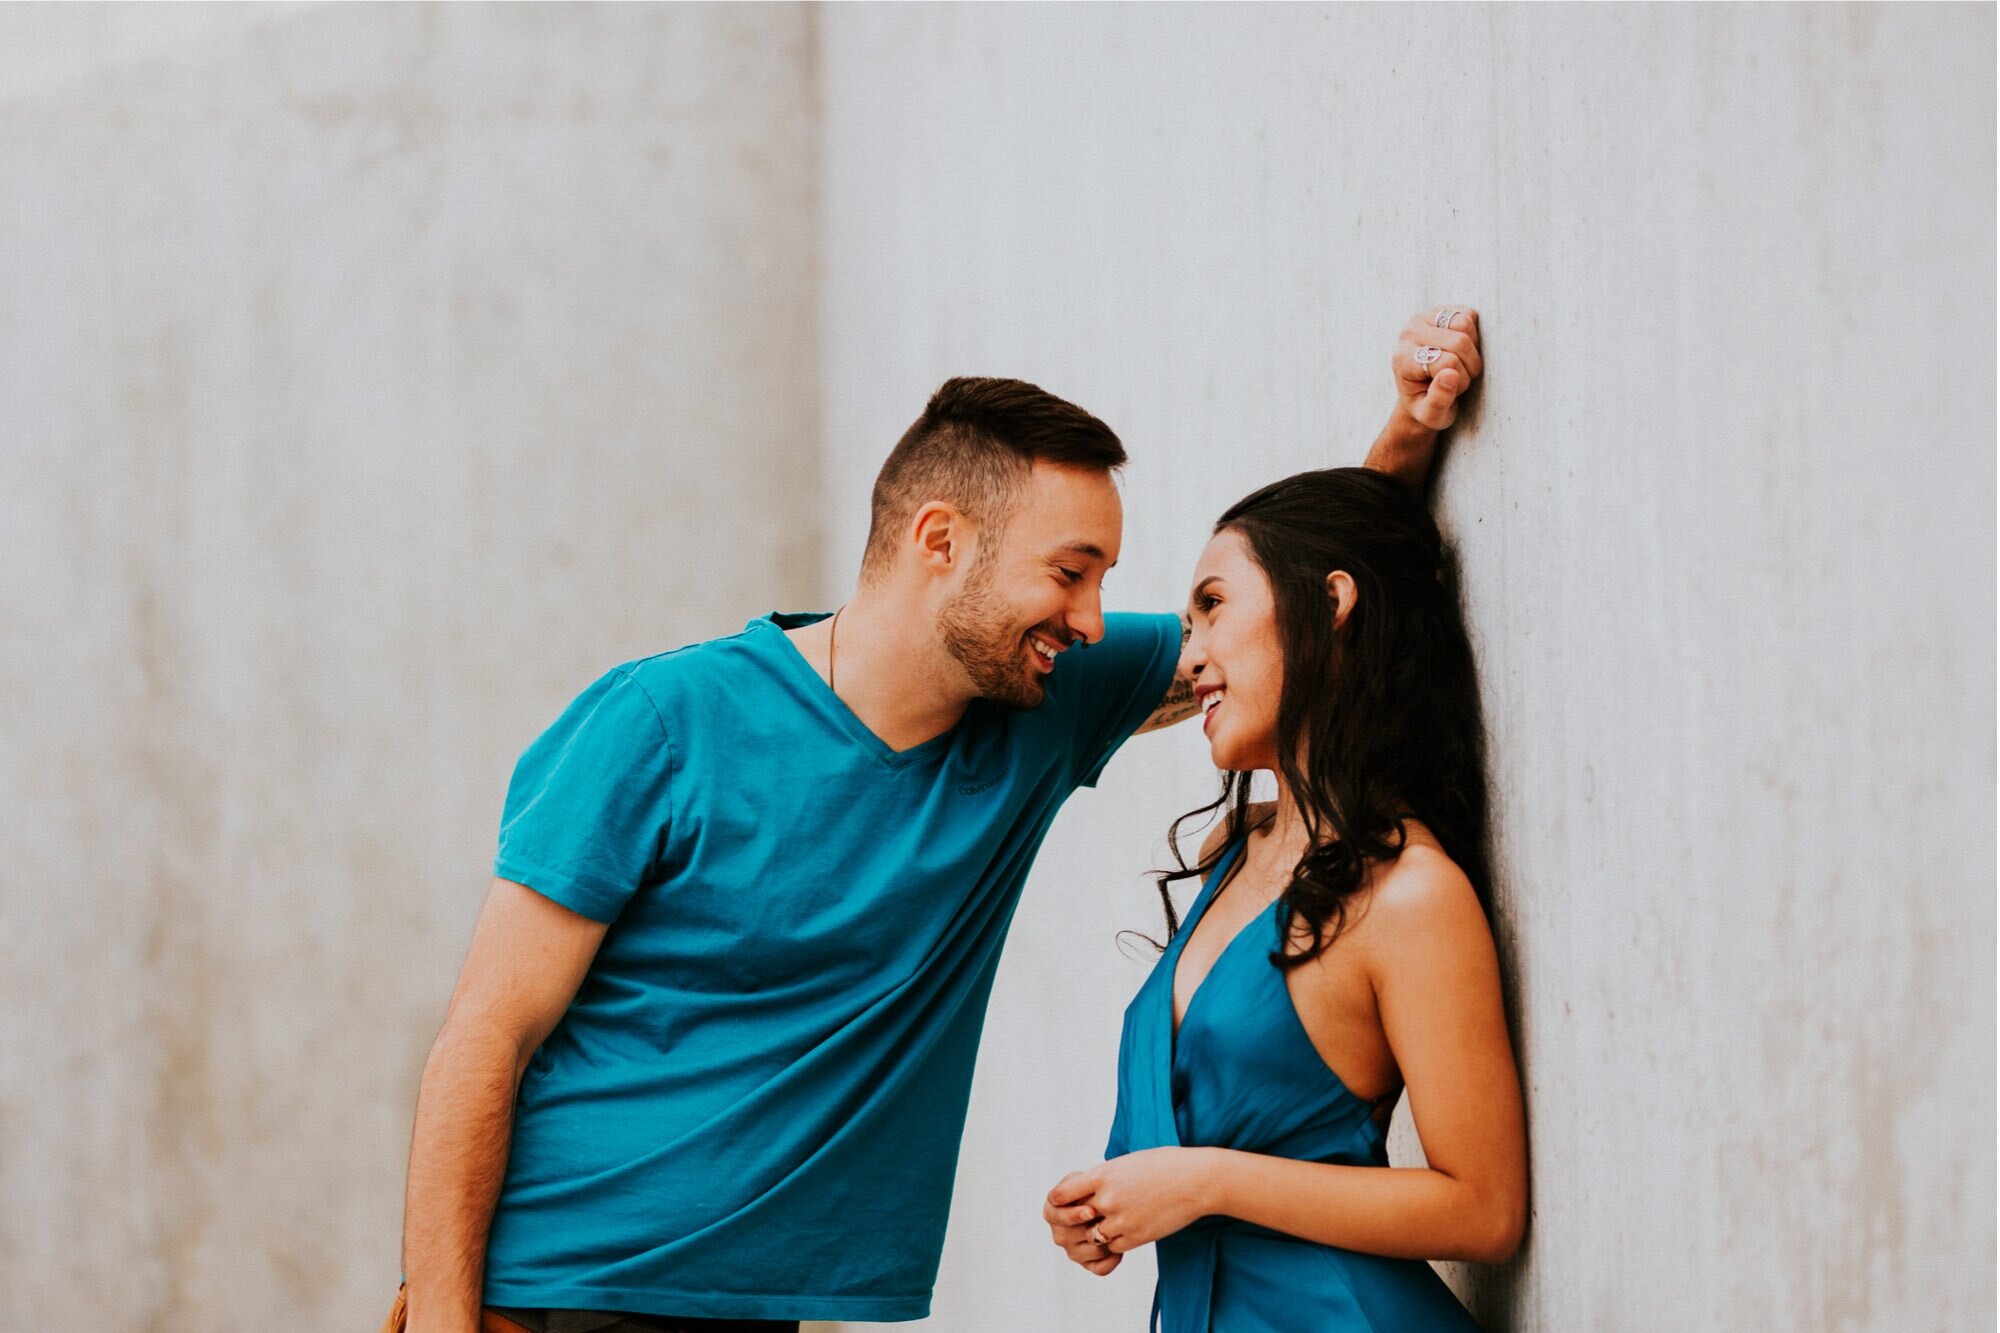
(370, 379)
(1725, 509)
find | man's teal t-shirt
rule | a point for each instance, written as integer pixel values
(753, 1107)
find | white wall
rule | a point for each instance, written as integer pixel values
(370, 379)
(1725, 507)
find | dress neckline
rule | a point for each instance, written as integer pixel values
(1217, 881)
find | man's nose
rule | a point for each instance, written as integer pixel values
(1087, 619)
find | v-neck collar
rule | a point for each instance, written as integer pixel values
(813, 688)
(1157, 1119)
(1218, 882)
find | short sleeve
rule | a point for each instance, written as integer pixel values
(586, 818)
(1109, 688)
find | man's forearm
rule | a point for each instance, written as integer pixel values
(1405, 450)
(458, 1154)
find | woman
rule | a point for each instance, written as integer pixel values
(1337, 956)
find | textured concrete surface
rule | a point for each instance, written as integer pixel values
(1726, 513)
(372, 379)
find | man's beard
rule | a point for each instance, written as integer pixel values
(968, 625)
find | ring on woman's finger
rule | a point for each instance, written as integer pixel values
(1445, 317)
(1427, 355)
(1096, 1237)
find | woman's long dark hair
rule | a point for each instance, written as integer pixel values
(1378, 723)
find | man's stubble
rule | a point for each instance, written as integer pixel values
(975, 626)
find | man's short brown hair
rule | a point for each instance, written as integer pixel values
(972, 448)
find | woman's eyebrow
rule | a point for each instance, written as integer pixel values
(1202, 587)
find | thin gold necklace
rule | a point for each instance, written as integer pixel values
(831, 632)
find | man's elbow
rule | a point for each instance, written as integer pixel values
(473, 1039)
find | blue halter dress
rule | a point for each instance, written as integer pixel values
(1243, 1074)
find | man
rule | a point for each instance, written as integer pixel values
(707, 1062)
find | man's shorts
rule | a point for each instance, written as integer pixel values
(589, 1321)
(490, 1321)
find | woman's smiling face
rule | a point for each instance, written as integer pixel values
(1234, 656)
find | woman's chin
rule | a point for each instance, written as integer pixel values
(1225, 756)
(1231, 755)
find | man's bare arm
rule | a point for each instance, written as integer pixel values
(1405, 450)
(1429, 385)
(1178, 703)
(527, 959)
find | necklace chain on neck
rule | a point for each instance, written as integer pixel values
(831, 632)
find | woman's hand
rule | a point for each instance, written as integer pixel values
(1128, 1202)
(1070, 1226)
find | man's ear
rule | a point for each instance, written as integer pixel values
(943, 536)
(1340, 590)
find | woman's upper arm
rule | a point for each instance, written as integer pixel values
(1437, 986)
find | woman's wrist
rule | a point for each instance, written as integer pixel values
(1210, 1175)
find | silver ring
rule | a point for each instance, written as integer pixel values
(1445, 317)
(1426, 355)
(1096, 1237)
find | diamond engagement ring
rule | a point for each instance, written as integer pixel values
(1096, 1237)
(1445, 317)
(1426, 355)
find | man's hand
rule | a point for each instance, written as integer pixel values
(1436, 361)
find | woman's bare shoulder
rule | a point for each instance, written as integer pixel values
(1424, 895)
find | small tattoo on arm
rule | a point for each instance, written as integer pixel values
(1178, 704)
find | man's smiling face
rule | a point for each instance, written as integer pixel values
(1038, 587)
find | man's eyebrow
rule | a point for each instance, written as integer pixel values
(1084, 548)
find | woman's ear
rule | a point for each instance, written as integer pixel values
(1340, 590)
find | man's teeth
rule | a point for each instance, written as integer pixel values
(1043, 649)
